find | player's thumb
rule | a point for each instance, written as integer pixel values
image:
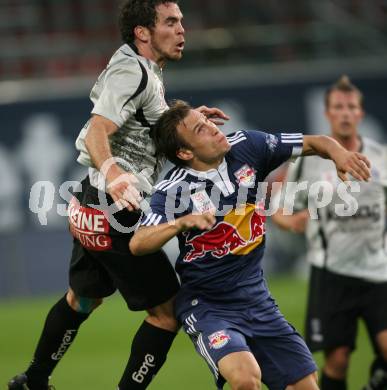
(342, 175)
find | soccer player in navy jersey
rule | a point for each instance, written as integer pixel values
(212, 201)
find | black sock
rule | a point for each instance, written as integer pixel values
(328, 383)
(149, 351)
(378, 375)
(59, 331)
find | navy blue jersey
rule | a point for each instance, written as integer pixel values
(217, 261)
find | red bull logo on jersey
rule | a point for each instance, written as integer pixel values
(89, 226)
(218, 339)
(245, 176)
(238, 234)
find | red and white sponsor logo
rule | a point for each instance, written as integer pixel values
(89, 226)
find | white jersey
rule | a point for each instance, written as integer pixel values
(348, 245)
(129, 92)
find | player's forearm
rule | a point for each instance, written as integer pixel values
(98, 146)
(280, 219)
(149, 239)
(321, 145)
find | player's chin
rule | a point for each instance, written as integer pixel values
(175, 56)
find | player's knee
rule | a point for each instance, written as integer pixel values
(381, 341)
(383, 352)
(246, 381)
(163, 316)
(163, 320)
(82, 304)
(337, 362)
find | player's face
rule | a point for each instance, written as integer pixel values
(344, 113)
(167, 37)
(207, 144)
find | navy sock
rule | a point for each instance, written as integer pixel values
(149, 351)
(61, 327)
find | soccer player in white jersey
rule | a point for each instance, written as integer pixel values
(347, 253)
(116, 144)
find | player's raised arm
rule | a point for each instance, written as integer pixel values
(121, 184)
(149, 239)
(346, 162)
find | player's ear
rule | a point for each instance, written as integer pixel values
(142, 33)
(184, 154)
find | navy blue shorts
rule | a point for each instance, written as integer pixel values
(283, 358)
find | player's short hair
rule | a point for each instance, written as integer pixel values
(165, 135)
(343, 84)
(135, 13)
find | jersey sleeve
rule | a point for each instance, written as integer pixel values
(157, 213)
(271, 150)
(122, 83)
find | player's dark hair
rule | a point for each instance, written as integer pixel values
(343, 84)
(135, 13)
(165, 135)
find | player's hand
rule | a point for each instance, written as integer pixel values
(214, 114)
(353, 163)
(122, 188)
(202, 222)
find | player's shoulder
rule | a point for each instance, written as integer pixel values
(173, 179)
(236, 137)
(252, 139)
(126, 63)
(124, 55)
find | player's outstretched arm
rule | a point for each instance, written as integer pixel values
(149, 239)
(295, 223)
(346, 162)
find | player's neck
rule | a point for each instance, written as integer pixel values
(147, 51)
(202, 166)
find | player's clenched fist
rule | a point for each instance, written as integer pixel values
(202, 222)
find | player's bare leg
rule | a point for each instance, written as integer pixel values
(335, 369)
(337, 362)
(307, 383)
(381, 341)
(241, 371)
(80, 304)
(163, 317)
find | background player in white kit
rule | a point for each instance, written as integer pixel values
(128, 98)
(348, 256)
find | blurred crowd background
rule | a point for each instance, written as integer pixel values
(40, 38)
(265, 62)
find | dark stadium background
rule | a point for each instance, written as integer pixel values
(264, 62)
